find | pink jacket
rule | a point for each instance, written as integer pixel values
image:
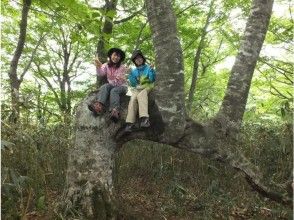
(115, 76)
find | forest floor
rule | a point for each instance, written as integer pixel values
(155, 181)
(168, 183)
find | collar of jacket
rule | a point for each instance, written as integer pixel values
(141, 67)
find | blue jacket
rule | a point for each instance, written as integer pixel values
(142, 75)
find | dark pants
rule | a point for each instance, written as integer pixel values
(113, 92)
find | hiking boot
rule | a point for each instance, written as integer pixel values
(114, 115)
(129, 128)
(145, 123)
(96, 107)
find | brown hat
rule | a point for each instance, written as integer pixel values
(137, 53)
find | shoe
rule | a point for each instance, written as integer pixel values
(96, 107)
(130, 127)
(114, 115)
(145, 123)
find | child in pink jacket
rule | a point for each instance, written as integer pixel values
(116, 86)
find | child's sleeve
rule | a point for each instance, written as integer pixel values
(151, 74)
(101, 71)
(132, 79)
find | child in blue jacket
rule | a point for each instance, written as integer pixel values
(141, 80)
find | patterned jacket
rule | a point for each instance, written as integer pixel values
(143, 76)
(115, 76)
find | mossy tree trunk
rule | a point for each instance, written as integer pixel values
(90, 167)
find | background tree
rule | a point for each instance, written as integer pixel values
(16, 80)
(197, 56)
(62, 65)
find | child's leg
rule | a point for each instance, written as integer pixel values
(143, 103)
(104, 93)
(132, 108)
(114, 97)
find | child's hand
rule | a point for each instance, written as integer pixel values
(121, 77)
(97, 62)
(139, 87)
(152, 66)
(128, 70)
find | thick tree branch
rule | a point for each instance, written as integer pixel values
(205, 140)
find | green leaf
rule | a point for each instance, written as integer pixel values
(41, 204)
(111, 13)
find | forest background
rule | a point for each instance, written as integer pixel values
(44, 80)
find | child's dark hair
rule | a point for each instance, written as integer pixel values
(117, 51)
(138, 53)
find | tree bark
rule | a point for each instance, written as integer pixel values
(14, 80)
(234, 102)
(90, 191)
(169, 90)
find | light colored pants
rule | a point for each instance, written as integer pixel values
(139, 100)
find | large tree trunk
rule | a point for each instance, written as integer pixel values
(14, 80)
(90, 167)
(90, 171)
(170, 96)
(234, 102)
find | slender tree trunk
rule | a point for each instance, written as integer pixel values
(104, 41)
(197, 57)
(39, 105)
(63, 83)
(68, 100)
(14, 80)
(234, 102)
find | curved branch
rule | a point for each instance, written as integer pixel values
(209, 142)
(129, 17)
